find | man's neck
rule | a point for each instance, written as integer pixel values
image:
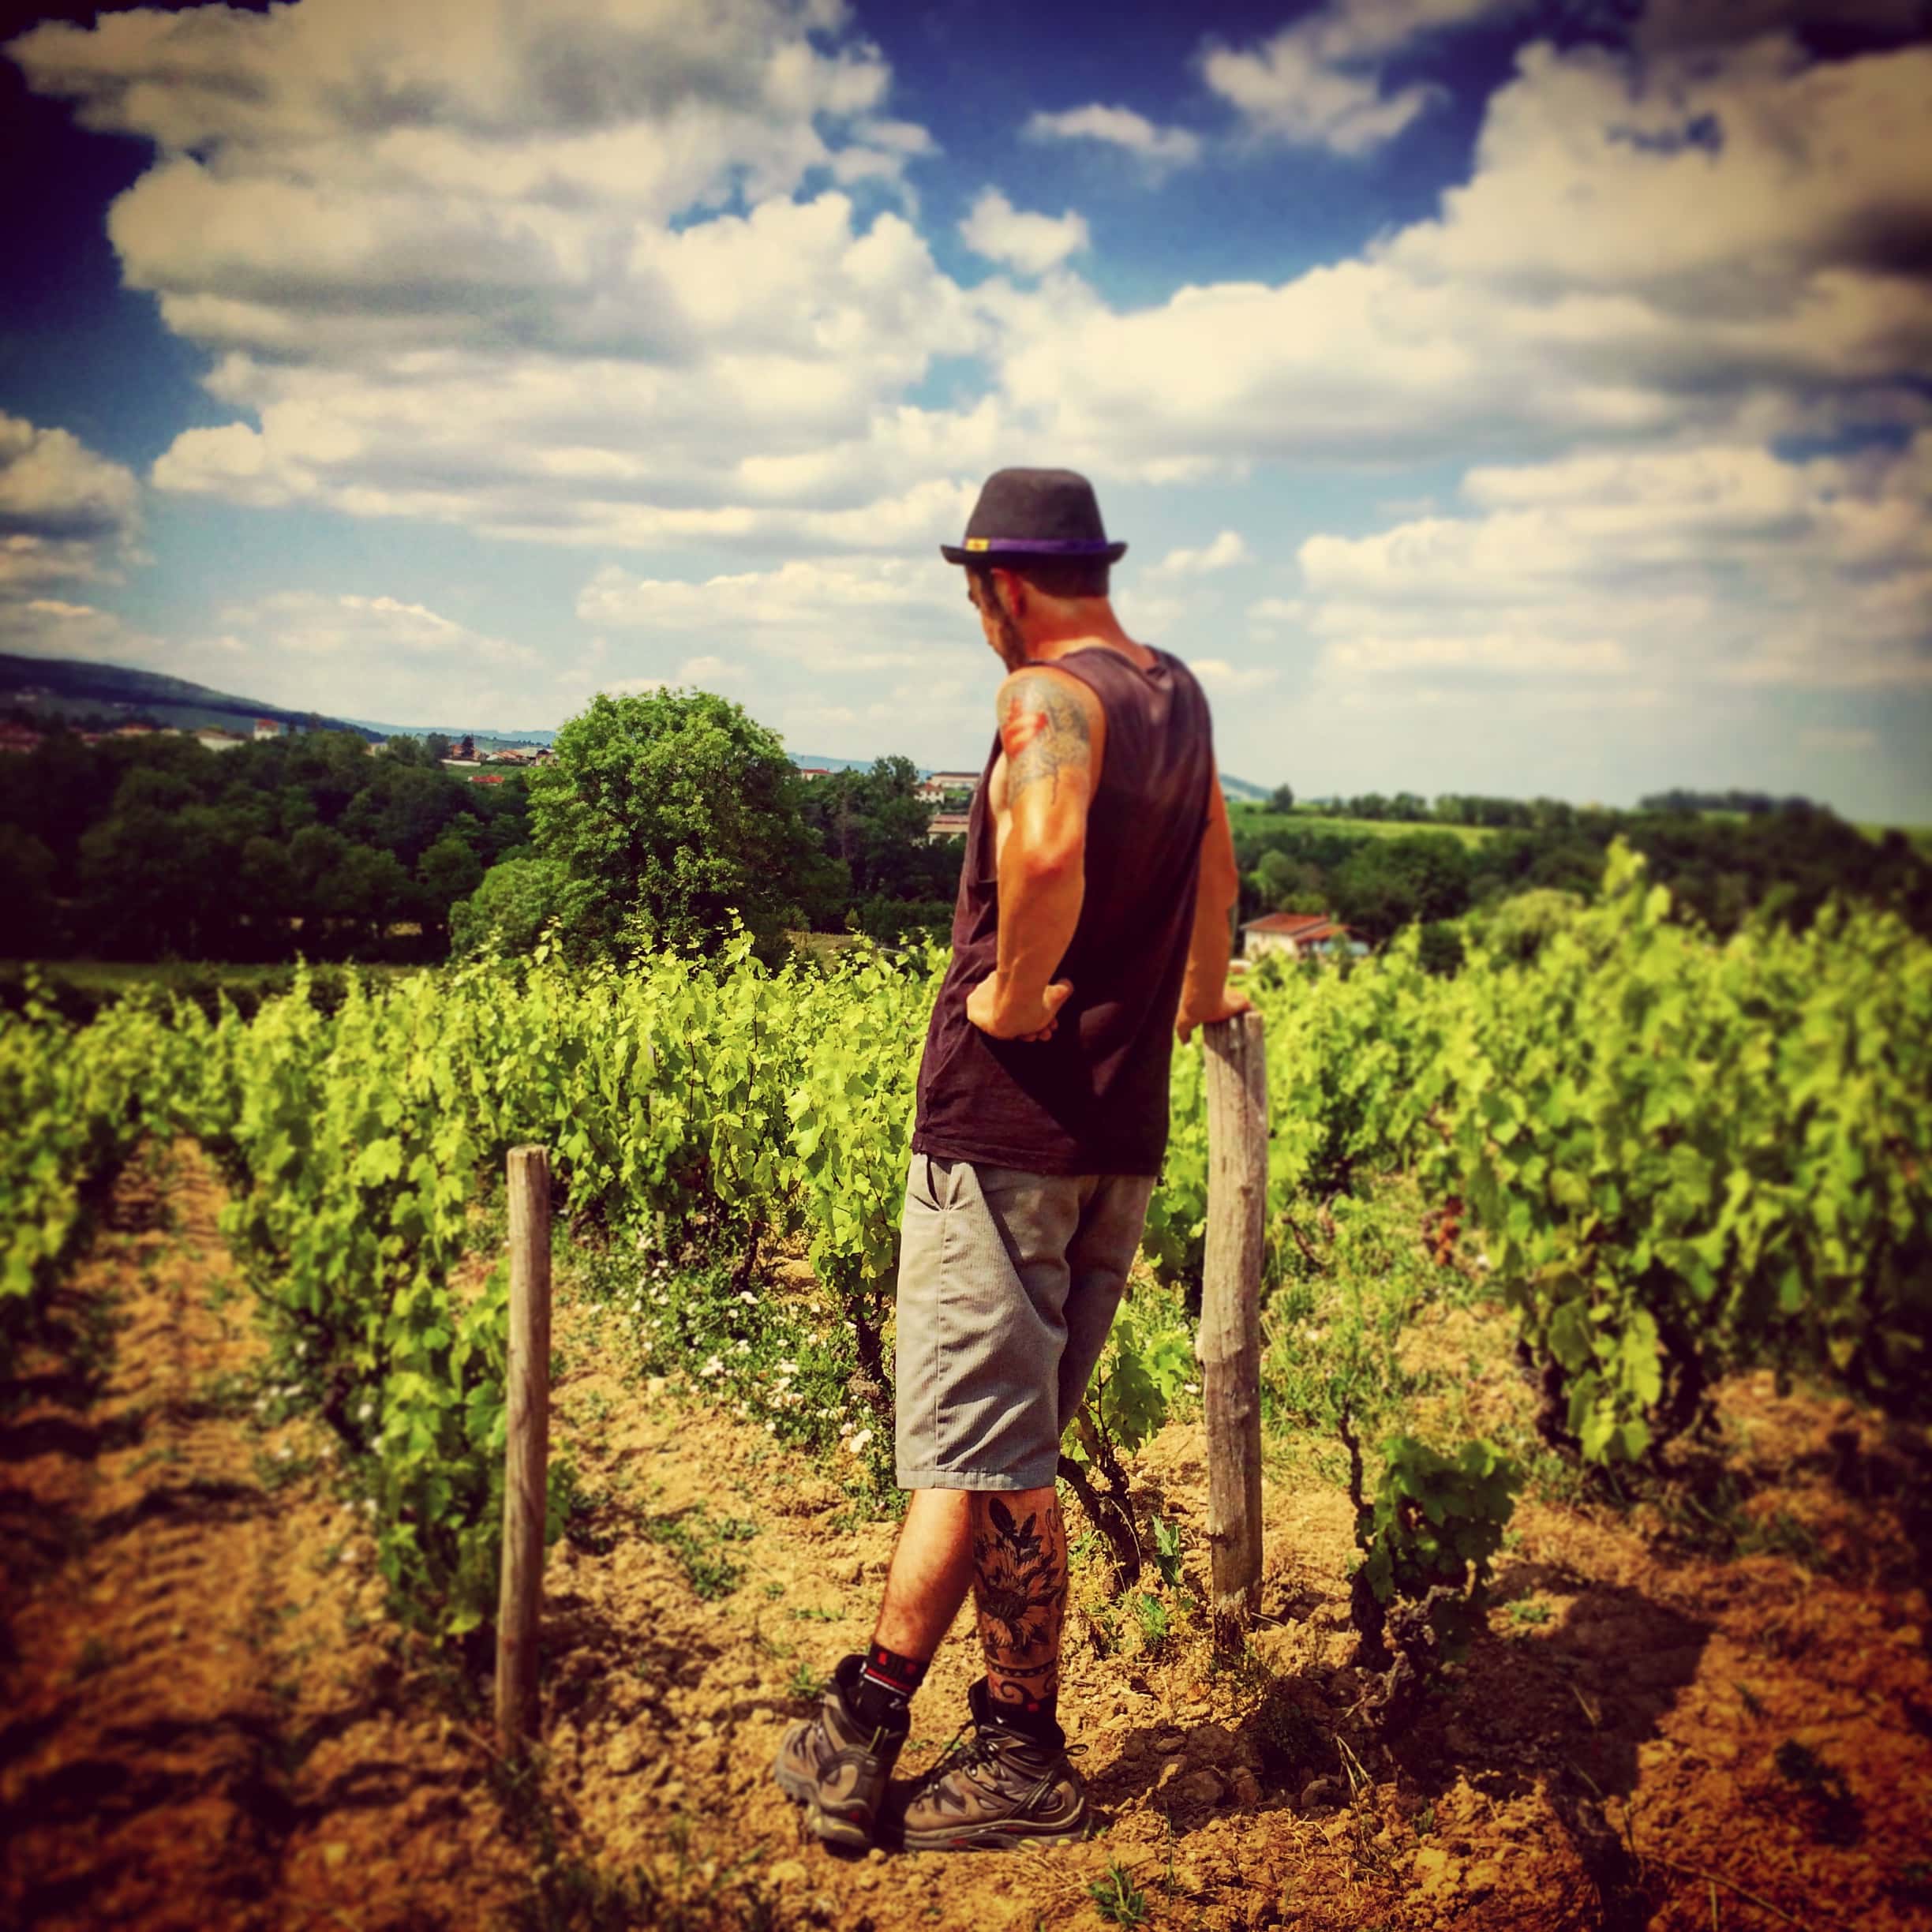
(1094, 627)
(1117, 640)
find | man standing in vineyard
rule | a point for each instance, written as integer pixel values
(1093, 919)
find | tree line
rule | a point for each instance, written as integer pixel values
(146, 847)
(1789, 862)
(665, 816)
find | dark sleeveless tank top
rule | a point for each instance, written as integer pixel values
(1093, 1099)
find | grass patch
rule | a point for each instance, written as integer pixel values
(1117, 1900)
(702, 1545)
(763, 1355)
(1334, 1325)
(1257, 821)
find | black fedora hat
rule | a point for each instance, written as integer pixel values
(1024, 513)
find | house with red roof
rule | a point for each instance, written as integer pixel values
(1300, 935)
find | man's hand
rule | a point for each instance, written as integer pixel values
(1225, 1008)
(1004, 1019)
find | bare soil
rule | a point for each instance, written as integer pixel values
(209, 1722)
(204, 1721)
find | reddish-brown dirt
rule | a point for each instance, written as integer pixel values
(206, 1724)
(209, 1723)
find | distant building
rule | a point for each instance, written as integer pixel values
(813, 771)
(216, 740)
(267, 727)
(488, 778)
(1300, 935)
(944, 825)
(134, 730)
(942, 785)
(19, 737)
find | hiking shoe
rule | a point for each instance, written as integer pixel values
(835, 1767)
(1000, 1789)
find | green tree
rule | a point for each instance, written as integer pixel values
(27, 892)
(670, 812)
(1282, 799)
(1386, 883)
(874, 829)
(449, 870)
(517, 898)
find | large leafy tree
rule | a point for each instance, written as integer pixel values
(669, 813)
(517, 899)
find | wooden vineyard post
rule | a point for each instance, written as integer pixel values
(1231, 1327)
(527, 1450)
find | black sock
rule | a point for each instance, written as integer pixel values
(1037, 1718)
(883, 1695)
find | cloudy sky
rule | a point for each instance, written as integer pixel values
(1516, 395)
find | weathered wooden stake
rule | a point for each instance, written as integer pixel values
(527, 1457)
(1230, 1328)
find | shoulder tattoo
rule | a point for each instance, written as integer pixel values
(1043, 731)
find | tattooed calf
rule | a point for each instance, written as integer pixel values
(1021, 1586)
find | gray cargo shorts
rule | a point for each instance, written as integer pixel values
(1008, 1283)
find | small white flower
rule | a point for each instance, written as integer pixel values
(1190, 1388)
(771, 1428)
(367, 1410)
(369, 1506)
(284, 1453)
(747, 1297)
(859, 1442)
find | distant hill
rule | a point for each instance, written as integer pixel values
(485, 739)
(71, 687)
(1231, 786)
(77, 687)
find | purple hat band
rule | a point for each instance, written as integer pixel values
(1040, 546)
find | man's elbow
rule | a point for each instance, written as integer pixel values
(1053, 861)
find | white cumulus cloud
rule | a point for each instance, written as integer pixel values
(1161, 148)
(1614, 271)
(1317, 82)
(591, 272)
(1030, 243)
(67, 514)
(1217, 674)
(1226, 550)
(1709, 566)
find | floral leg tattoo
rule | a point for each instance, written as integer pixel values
(1021, 1583)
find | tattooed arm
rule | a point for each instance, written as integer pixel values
(1052, 733)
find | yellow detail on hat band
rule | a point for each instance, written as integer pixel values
(979, 543)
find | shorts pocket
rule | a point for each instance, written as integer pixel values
(931, 1184)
